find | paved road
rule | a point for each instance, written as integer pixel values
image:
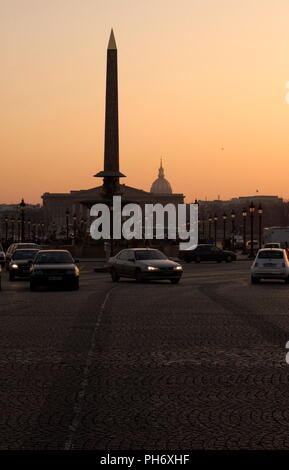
(146, 366)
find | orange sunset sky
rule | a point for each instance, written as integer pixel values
(195, 76)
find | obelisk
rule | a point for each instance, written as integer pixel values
(111, 173)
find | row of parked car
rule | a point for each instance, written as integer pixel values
(28, 260)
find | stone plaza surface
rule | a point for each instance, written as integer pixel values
(199, 365)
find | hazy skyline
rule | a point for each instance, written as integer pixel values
(195, 77)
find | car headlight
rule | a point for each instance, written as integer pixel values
(14, 266)
(178, 268)
(74, 271)
(152, 268)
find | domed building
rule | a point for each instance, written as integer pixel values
(161, 184)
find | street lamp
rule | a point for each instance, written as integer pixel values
(74, 226)
(6, 229)
(67, 224)
(18, 229)
(251, 211)
(12, 228)
(260, 212)
(233, 216)
(29, 229)
(22, 206)
(224, 229)
(215, 227)
(81, 227)
(244, 214)
(42, 231)
(210, 227)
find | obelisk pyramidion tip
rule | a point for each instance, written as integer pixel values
(111, 42)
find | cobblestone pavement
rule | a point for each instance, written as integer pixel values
(146, 366)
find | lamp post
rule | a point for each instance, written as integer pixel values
(81, 227)
(34, 231)
(233, 217)
(210, 227)
(244, 214)
(224, 229)
(12, 228)
(42, 231)
(29, 229)
(18, 229)
(74, 226)
(6, 229)
(22, 206)
(67, 224)
(252, 210)
(260, 212)
(215, 228)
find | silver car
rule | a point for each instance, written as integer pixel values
(144, 264)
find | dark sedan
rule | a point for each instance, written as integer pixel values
(54, 267)
(208, 253)
(144, 264)
(20, 263)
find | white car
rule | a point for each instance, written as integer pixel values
(272, 245)
(255, 245)
(270, 263)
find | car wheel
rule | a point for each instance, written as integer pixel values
(197, 259)
(175, 281)
(11, 277)
(114, 275)
(254, 280)
(229, 259)
(138, 276)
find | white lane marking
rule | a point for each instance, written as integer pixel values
(83, 386)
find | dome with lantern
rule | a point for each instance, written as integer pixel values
(161, 185)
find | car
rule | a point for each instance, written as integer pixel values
(0, 277)
(272, 245)
(17, 246)
(255, 245)
(270, 263)
(54, 267)
(144, 264)
(206, 252)
(20, 263)
(2, 256)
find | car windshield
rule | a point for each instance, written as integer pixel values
(54, 258)
(26, 246)
(24, 254)
(149, 254)
(268, 254)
